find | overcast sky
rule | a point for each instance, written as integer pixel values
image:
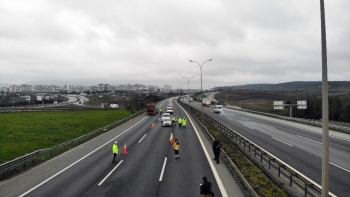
(151, 41)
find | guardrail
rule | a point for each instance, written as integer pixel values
(38, 156)
(258, 155)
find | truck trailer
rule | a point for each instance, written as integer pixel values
(206, 102)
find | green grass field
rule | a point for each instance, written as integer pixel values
(25, 132)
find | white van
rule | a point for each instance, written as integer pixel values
(218, 108)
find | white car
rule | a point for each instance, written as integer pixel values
(164, 116)
(166, 121)
(218, 108)
(169, 109)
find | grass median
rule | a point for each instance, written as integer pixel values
(25, 132)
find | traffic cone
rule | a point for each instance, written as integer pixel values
(152, 126)
(125, 151)
(172, 139)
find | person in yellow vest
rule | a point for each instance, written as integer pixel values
(173, 119)
(115, 151)
(180, 122)
(176, 149)
(160, 111)
(184, 122)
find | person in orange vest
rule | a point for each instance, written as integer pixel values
(176, 149)
(115, 151)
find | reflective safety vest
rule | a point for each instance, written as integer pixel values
(176, 146)
(184, 122)
(180, 120)
(115, 148)
(173, 119)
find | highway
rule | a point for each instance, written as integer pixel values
(148, 169)
(296, 144)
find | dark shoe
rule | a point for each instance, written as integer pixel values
(179, 158)
(218, 162)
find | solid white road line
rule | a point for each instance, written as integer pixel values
(103, 180)
(339, 167)
(53, 176)
(142, 138)
(309, 139)
(161, 174)
(282, 141)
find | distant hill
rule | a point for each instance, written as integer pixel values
(296, 85)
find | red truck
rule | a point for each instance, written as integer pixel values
(151, 109)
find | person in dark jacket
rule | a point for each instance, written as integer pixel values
(217, 149)
(205, 187)
(215, 143)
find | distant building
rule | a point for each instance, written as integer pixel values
(14, 88)
(94, 88)
(104, 87)
(26, 88)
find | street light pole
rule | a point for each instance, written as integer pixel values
(325, 116)
(200, 66)
(188, 84)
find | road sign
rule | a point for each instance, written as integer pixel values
(278, 105)
(204, 96)
(301, 105)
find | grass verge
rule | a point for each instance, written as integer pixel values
(22, 133)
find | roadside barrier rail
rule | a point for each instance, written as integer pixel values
(258, 156)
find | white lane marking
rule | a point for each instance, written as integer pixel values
(282, 141)
(161, 174)
(53, 176)
(249, 127)
(309, 139)
(339, 167)
(339, 138)
(142, 138)
(103, 180)
(212, 166)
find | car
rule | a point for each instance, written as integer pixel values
(167, 122)
(169, 109)
(218, 108)
(164, 116)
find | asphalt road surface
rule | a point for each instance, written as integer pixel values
(298, 145)
(148, 169)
